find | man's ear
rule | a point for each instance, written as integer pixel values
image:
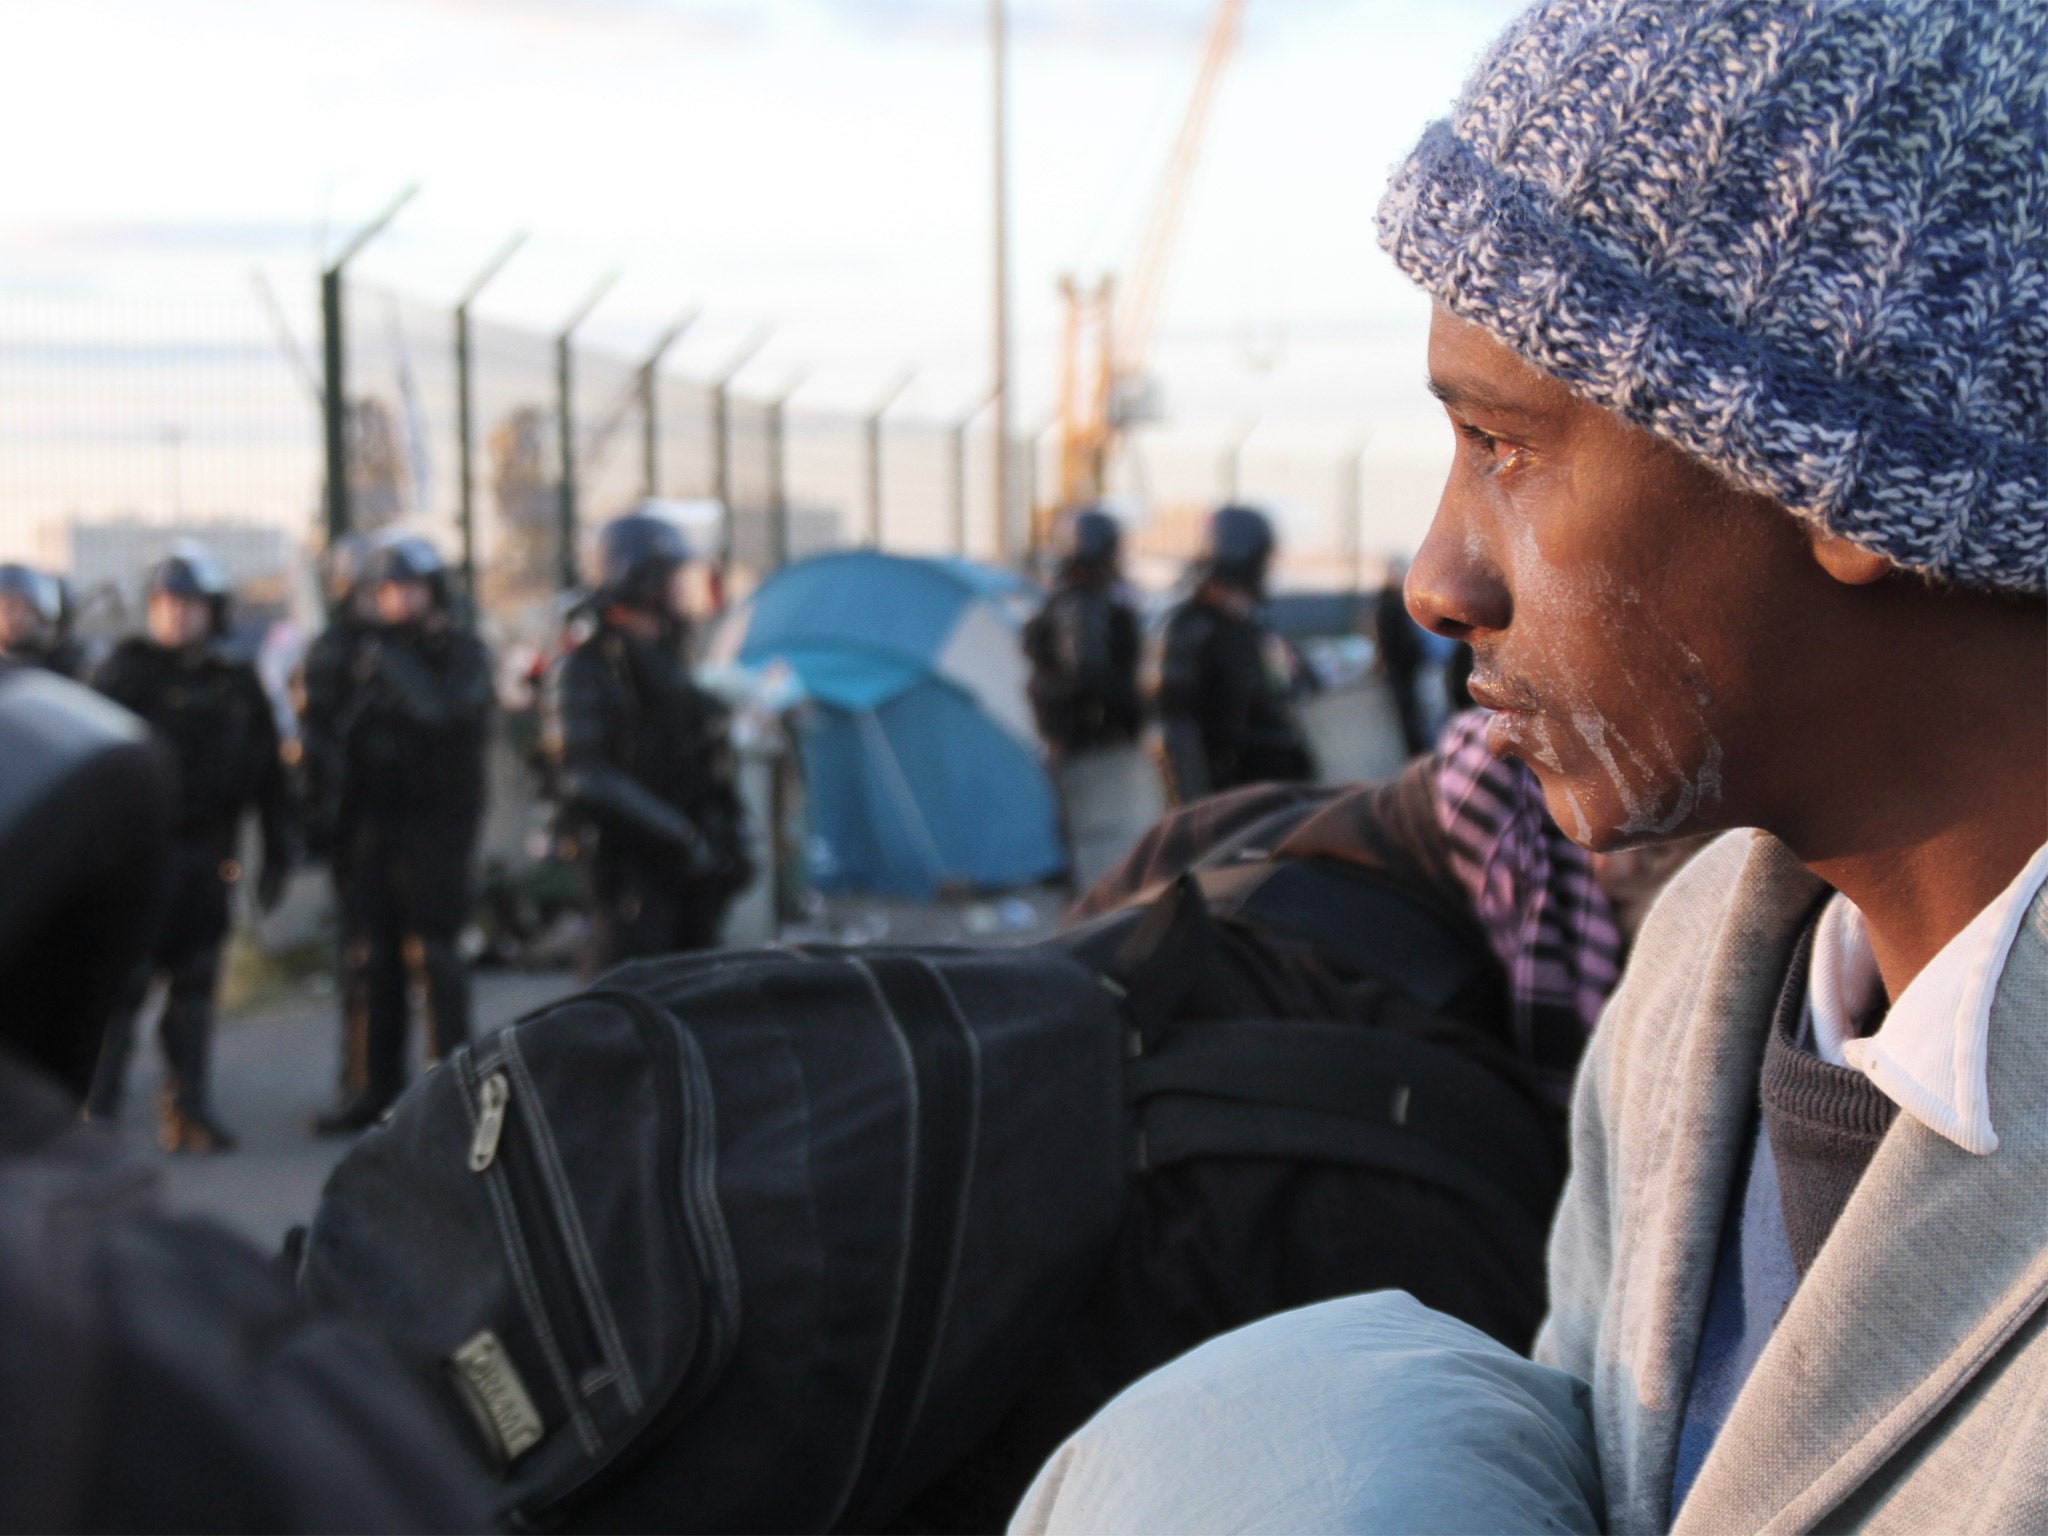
(1850, 564)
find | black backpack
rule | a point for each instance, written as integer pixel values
(818, 1239)
(744, 1242)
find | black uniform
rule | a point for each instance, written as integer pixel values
(647, 769)
(414, 717)
(216, 718)
(1400, 648)
(1083, 649)
(1223, 707)
(325, 684)
(63, 656)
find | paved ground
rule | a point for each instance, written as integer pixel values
(274, 1070)
(275, 1065)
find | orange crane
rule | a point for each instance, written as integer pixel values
(1106, 345)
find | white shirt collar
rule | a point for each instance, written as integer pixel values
(1928, 1056)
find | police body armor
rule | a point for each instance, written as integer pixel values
(1223, 704)
(216, 718)
(1083, 648)
(646, 769)
(415, 726)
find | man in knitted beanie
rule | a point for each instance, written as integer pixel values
(1741, 321)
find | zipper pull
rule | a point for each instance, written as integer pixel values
(490, 1121)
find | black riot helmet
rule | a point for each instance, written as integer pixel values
(1239, 548)
(406, 557)
(638, 556)
(189, 570)
(41, 595)
(1094, 539)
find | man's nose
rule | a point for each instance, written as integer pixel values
(1454, 588)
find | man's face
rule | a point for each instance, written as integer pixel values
(1633, 618)
(176, 622)
(403, 602)
(20, 622)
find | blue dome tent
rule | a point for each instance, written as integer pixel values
(921, 763)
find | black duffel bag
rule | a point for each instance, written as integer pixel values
(756, 1241)
(807, 1240)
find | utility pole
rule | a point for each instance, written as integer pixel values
(334, 366)
(778, 474)
(465, 428)
(873, 436)
(565, 430)
(721, 433)
(650, 403)
(1000, 347)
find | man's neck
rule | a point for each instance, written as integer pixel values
(1924, 826)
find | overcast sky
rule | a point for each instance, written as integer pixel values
(820, 164)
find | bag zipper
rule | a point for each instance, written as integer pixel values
(490, 1120)
(689, 1147)
(487, 1098)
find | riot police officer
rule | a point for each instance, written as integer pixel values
(412, 729)
(645, 759)
(1083, 646)
(33, 629)
(1225, 710)
(323, 700)
(215, 717)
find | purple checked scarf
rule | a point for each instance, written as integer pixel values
(1532, 887)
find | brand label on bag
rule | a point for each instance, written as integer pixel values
(497, 1397)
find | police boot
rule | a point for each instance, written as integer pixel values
(184, 1129)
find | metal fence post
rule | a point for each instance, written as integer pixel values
(956, 490)
(721, 446)
(778, 475)
(1232, 466)
(565, 430)
(334, 404)
(465, 428)
(957, 466)
(650, 409)
(334, 368)
(1351, 509)
(873, 438)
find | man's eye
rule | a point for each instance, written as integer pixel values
(1499, 455)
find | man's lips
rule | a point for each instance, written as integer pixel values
(1503, 695)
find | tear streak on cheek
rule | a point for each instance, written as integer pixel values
(1598, 599)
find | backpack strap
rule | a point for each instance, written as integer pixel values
(1161, 959)
(1349, 1094)
(1368, 920)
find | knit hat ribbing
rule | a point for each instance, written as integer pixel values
(1804, 240)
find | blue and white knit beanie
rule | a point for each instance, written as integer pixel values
(1804, 240)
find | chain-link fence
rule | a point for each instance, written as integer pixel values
(501, 442)
(168, 416)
